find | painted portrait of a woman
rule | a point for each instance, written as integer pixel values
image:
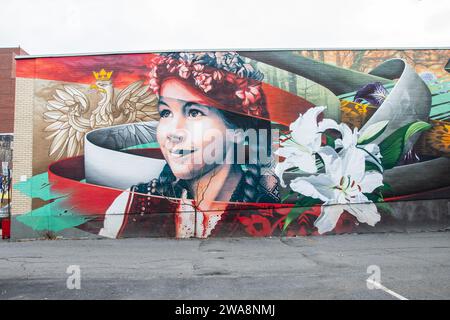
(208, 104)
(182, 144)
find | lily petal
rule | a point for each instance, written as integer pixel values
(327, 124)
(304, 162)
(347, 135)
(353, 163)
(304, 129)
(338, 143)
(288, 152)
(318, 187)
(373, 149)
(328, 155)
(332, 162)
(371, 181)
(280, 168)
(364, 212)
(328, 218)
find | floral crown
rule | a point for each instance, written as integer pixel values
(222, 76)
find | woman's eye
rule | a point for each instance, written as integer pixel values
(164, 113)
(195, 113)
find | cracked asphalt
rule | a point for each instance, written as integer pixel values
(414, 265)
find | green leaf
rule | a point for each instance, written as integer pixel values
(370, 166)
(417, 127)
(294, 214)
(302, 205)
(384, 207)
(305, 201)
(392, 147)
(372, 132)
(386, 187)
(330, 140)
(374, 159)
(376, 198)
(287, 196)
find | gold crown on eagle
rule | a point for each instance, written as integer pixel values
(102, 75)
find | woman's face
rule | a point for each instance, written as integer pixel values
(184, 130)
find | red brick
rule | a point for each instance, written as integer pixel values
(7, 87)
(6, 101)
(6, 61)
(6, 112)
(7, 126)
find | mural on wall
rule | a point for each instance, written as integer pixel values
(200, 144)
(66, 112)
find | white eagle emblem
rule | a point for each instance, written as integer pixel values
(69, 117)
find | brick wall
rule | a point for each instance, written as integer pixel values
(7, 87)
(23, 141)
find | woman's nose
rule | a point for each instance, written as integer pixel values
(177, 133)
(176, 136)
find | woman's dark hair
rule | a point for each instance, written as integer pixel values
(167, 184)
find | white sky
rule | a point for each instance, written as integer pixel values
(81, 26)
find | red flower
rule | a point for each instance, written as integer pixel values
(172, 65)
(184, 71)
(266, 212)
(256, 225)
(249, 95)
(154, 85)
(283, 211)
(157, 60)
(203, 81)
(244, 92)
(255, 110)
(218, 75)
(198, 69)
(154, 72)
(230, 78)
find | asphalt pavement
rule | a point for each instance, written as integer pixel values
(403, 266)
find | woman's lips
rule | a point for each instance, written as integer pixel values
(179, 153)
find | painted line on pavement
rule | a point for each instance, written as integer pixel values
(380, 286)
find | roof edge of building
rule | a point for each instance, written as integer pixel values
(20, 57)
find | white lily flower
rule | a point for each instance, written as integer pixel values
(305, 141)
(350, 140)
(342, 187)
(349, 137)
